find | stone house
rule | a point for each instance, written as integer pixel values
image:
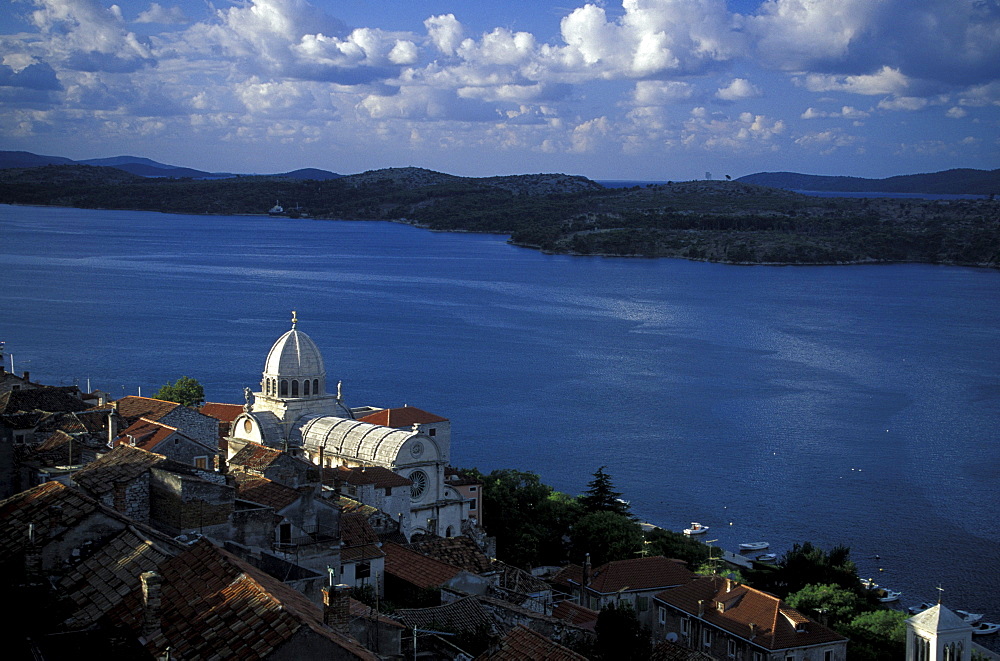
(191, 423)
(727, 620)
(275, 465)
(161, 438)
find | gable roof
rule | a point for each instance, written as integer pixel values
(214, 605)
(52, 508)
(575, 614)
(632, 575)
(523, 644)
(48, 399)
(775, 623)
(938, 619)
(132, 407)
(122, 464)
(415, 568)
(403, 417)
(146, 433)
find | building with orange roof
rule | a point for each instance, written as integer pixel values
(193, 424)
(728, 620)
(155, 436)
(635, 580)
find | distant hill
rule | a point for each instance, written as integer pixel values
(314, 174)
(24, 159)
(952, 182)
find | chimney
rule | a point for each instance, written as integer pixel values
(701, 608)
(32, 559)
(151, 606)
(729, 584)
(337, 608)
(586, 570)
(25, 377)
(753, 631)
(112, 425)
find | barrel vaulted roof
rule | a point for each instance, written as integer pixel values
(356, 440)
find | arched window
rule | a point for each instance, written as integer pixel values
(305, 388)
(284, 388)
(315, 386)
(295, 387)
(274, 387)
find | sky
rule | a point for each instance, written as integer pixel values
(633, 90)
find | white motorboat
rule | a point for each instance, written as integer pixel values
(969, 618)
(754, 546)
(696, 529)
(983, 628)
(921, 608)
(767, 557)
(885, 595)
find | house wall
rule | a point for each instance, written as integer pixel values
(130, 498)
(307, 644)
(193, 424)
(183, 450)
(252, 526)
(182, 505)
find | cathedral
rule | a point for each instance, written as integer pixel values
(294, 412)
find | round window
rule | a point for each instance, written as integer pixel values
(247, 426)
(417, 448)
(419, 479)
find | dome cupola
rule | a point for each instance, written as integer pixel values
(294, 367)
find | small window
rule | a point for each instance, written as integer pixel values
(295, 388)
(388, 491)
(201, 462)
(662, 615)
(305, 385)
(757, 656)
(472, 505)
(642, 604)
(432, 432)
(363, 570)
(284, 388)
(685, 626)
(473, 488)
(828, 655)
(315, 386)
(731, 648)
(706, 637)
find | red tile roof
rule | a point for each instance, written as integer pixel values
(377, 475)
(222, 412)
(264, 491)
(402, 417)
(122, 464)
(214, 605)
(575, 614)
(459, 552)
(523, 644)
(775, 622)
(133, 407)
(146, 433)
(415, 568)
(256, 457)
(355, 530)
(631, 575)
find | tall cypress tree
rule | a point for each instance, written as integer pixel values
(601, 496)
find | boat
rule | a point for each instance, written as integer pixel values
(754, 546)
(696, 529)
(767, 557)
(885, 595)
(967, 617)
(983, 628)
(276, 210)
(921, 608)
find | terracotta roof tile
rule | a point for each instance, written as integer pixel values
(775, 622)
(133, 408)
(523, 644)
(145, 433)
(50, 400)
(402, 417)
(267, 492)
(122, 464)
(464, 615)
(630, 575)
(377, 475)
(221, 412)
(575, 614)
(415, 568)
(257, 457)
(355, 529)
(212, 602)
(459, 552)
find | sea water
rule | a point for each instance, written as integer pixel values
(854, 405)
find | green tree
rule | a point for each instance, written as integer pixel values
(185, 390)
(879, 634)
(672, 544)
(829, 604)
(805, 564)
(620, 635)
(601, 496)
(606, 536)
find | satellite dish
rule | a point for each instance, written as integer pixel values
(672, 637)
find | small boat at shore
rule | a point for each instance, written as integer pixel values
(767, 557)
(696, 529)
(885, 595)
(970, 618)
(983, 628)
(913, 610)
(754, 546)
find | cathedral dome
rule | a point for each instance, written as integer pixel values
(294, 355)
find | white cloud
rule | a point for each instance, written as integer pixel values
(886, 81)
(159, 14)
(956, 113)
(445, 32)
(659, 93)
(908, 103)
(739, 88)
(747, 132)
(846, 112)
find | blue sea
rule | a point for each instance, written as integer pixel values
(853, 405)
